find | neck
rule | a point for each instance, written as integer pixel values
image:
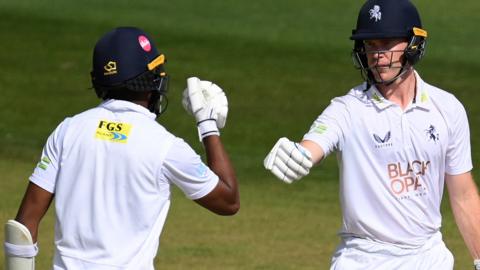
(401, 91)
(143, 103)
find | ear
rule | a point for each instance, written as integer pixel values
(148, 95)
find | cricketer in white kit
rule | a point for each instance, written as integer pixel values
(398, 141)
(111, 168)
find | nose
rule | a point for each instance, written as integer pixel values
(380, 54)
(379, 58)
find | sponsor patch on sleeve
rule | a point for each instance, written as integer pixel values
(318, 128)
(202, 169)
(113, 131)
(44, 162)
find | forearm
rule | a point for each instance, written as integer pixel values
(35, 204)
(466, 209)
(219, 162)
(315, 150)
(208, 103)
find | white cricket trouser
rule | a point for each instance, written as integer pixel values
(362, 254)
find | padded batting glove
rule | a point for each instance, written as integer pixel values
(289, 161)
(208, 103)
(20, 251)
(476, 264)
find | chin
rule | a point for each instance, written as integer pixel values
(384, 76)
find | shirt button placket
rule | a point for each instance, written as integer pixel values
(405, 130)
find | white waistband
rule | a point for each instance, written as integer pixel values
(371, 246)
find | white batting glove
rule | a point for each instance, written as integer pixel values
(476, 264)
(289, 161)
(208, 103)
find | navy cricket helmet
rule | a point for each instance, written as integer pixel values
(388, 19)
(126, 60)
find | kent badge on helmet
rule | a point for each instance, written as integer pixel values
(385, 19)
(126, 60)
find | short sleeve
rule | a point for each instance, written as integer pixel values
(184, 168)
(329, 129)
(45, 173)
(458, 159)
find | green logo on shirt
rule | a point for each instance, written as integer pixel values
(376, 98)
(44, 162)
(318, 128)
(424, 97)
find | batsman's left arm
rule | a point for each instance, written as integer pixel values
(35, 204)
(465, 203)
(21, 234)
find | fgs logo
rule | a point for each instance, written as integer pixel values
(113, 131)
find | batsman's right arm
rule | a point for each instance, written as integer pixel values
(315, 150)
(224, 199)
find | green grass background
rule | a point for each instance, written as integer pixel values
(280, 63)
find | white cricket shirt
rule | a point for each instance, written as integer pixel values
(110, 169)
(392, 162)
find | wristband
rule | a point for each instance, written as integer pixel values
(207, 127)
(24, 251)
(476, 264)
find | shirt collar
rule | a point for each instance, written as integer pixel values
(122, 105)
(377, 98)
(422, 98)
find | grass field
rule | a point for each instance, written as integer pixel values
(280, 63)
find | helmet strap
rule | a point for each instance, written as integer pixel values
(404, 69)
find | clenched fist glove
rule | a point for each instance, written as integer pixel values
(289, 161)
(208, 104)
